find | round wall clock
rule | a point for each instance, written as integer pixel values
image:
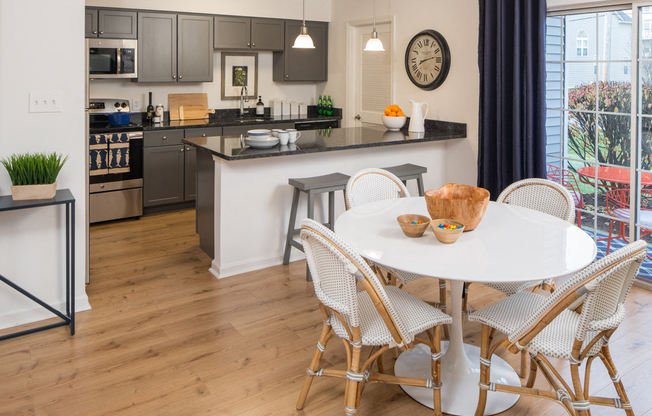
(427, 59)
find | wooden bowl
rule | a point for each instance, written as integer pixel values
(463, 203)
(446, 236)
(413, 230)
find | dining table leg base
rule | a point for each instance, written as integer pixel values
(459, 391)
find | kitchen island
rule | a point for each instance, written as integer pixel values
(243, 196)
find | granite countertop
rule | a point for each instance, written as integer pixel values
(312, 141)
(233, 121)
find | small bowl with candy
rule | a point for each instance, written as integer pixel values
(447, 231)
(413, 225)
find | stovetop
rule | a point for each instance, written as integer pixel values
(97, 127)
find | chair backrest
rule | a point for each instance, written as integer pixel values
(542, 195)
(335, 268)
(370, 185)
(602, 288)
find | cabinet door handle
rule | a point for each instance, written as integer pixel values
(181, 150)
(101, 32)
(180, 76)
(95, 32)
(248, 44)
(287, 76)
(187, 149)
(174, 77)
(101, 186)
(203, 135)
(164, 137)
(254, 44)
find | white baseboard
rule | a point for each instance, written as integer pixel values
(233, 269)
(38, 313)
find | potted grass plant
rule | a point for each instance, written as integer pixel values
(34, 175)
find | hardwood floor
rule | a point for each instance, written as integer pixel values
(165, 337)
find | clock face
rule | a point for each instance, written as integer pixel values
(427, 59)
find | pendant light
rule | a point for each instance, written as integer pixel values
(374, 44)
(304, 41)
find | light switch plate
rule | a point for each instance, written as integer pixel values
(45, 102)
(136, 104)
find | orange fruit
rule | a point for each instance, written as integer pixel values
(395, 108)
(388, 110)
(400, 114)
(392, 114)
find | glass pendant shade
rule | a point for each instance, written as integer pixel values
(374, 44)
(304, 41)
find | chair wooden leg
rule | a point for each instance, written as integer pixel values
(525, 358)
(353, 387)
(313, 370)
(436, 369)
(605, 356)
(577, 386)
(379, 363)
(484, 369)
(533, 374)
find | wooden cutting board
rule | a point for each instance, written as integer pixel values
(193, 112)
(177, 100)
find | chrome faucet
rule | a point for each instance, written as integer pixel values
(244, 98)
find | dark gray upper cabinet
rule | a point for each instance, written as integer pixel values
(111, 24)
(303, 64)
(90, 22)
(164, 57)
(235, 32)
(195, 48)
(232, 32)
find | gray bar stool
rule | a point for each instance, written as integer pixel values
(409, 171)
(312, 186)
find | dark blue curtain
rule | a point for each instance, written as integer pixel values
(511, 57)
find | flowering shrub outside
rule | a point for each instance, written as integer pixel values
(613, 130)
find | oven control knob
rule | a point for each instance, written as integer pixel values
(123, 105)
(116, 105)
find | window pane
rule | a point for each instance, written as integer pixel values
(645, 142)
(553, 38)
(553, 85)
(581, 136)
(614, 35)
(580, 84)
(615, 88)
(554, 132)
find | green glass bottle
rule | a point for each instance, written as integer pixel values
(320, 106)
(329, 107)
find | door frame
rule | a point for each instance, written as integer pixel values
(353, 62)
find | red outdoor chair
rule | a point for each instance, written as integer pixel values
(567, 179)
(618, 207)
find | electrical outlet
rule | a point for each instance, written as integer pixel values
(136, 104)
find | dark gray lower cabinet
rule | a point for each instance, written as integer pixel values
(163, 175)
(170, 167)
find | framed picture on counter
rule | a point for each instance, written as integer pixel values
(239, 70)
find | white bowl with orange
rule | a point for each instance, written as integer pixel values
(394, 119)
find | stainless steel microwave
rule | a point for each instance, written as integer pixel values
(112, 58)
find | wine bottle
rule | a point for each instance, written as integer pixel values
(320, 106)
(329, 110)
(150, 110)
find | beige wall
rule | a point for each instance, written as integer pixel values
(39, 53)
(455, 100)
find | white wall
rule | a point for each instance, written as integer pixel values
(287, 9)
(455, 100)
(39, 53)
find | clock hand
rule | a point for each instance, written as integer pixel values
(426, 60)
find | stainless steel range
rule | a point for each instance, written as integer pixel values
(115, 163)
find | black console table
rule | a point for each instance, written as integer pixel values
(63, 196)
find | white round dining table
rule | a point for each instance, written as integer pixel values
(511, 244)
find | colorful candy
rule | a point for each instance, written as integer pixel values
(417, 222)
(449, 227)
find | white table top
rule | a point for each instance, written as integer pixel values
(511, 244)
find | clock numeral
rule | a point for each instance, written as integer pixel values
(425, 77)
(437, 68)
(432, 75)
(438, 59)
(426, 42)
(419, 45)
(414, 67)
(419, 74)
(437, 50)
(416, 51)
(414, 60)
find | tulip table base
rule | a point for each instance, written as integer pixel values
(460, 370)
(459, 391)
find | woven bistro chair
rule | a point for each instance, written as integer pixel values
(574, 324)
(541, 195)
(370, 185)
(382, 317)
